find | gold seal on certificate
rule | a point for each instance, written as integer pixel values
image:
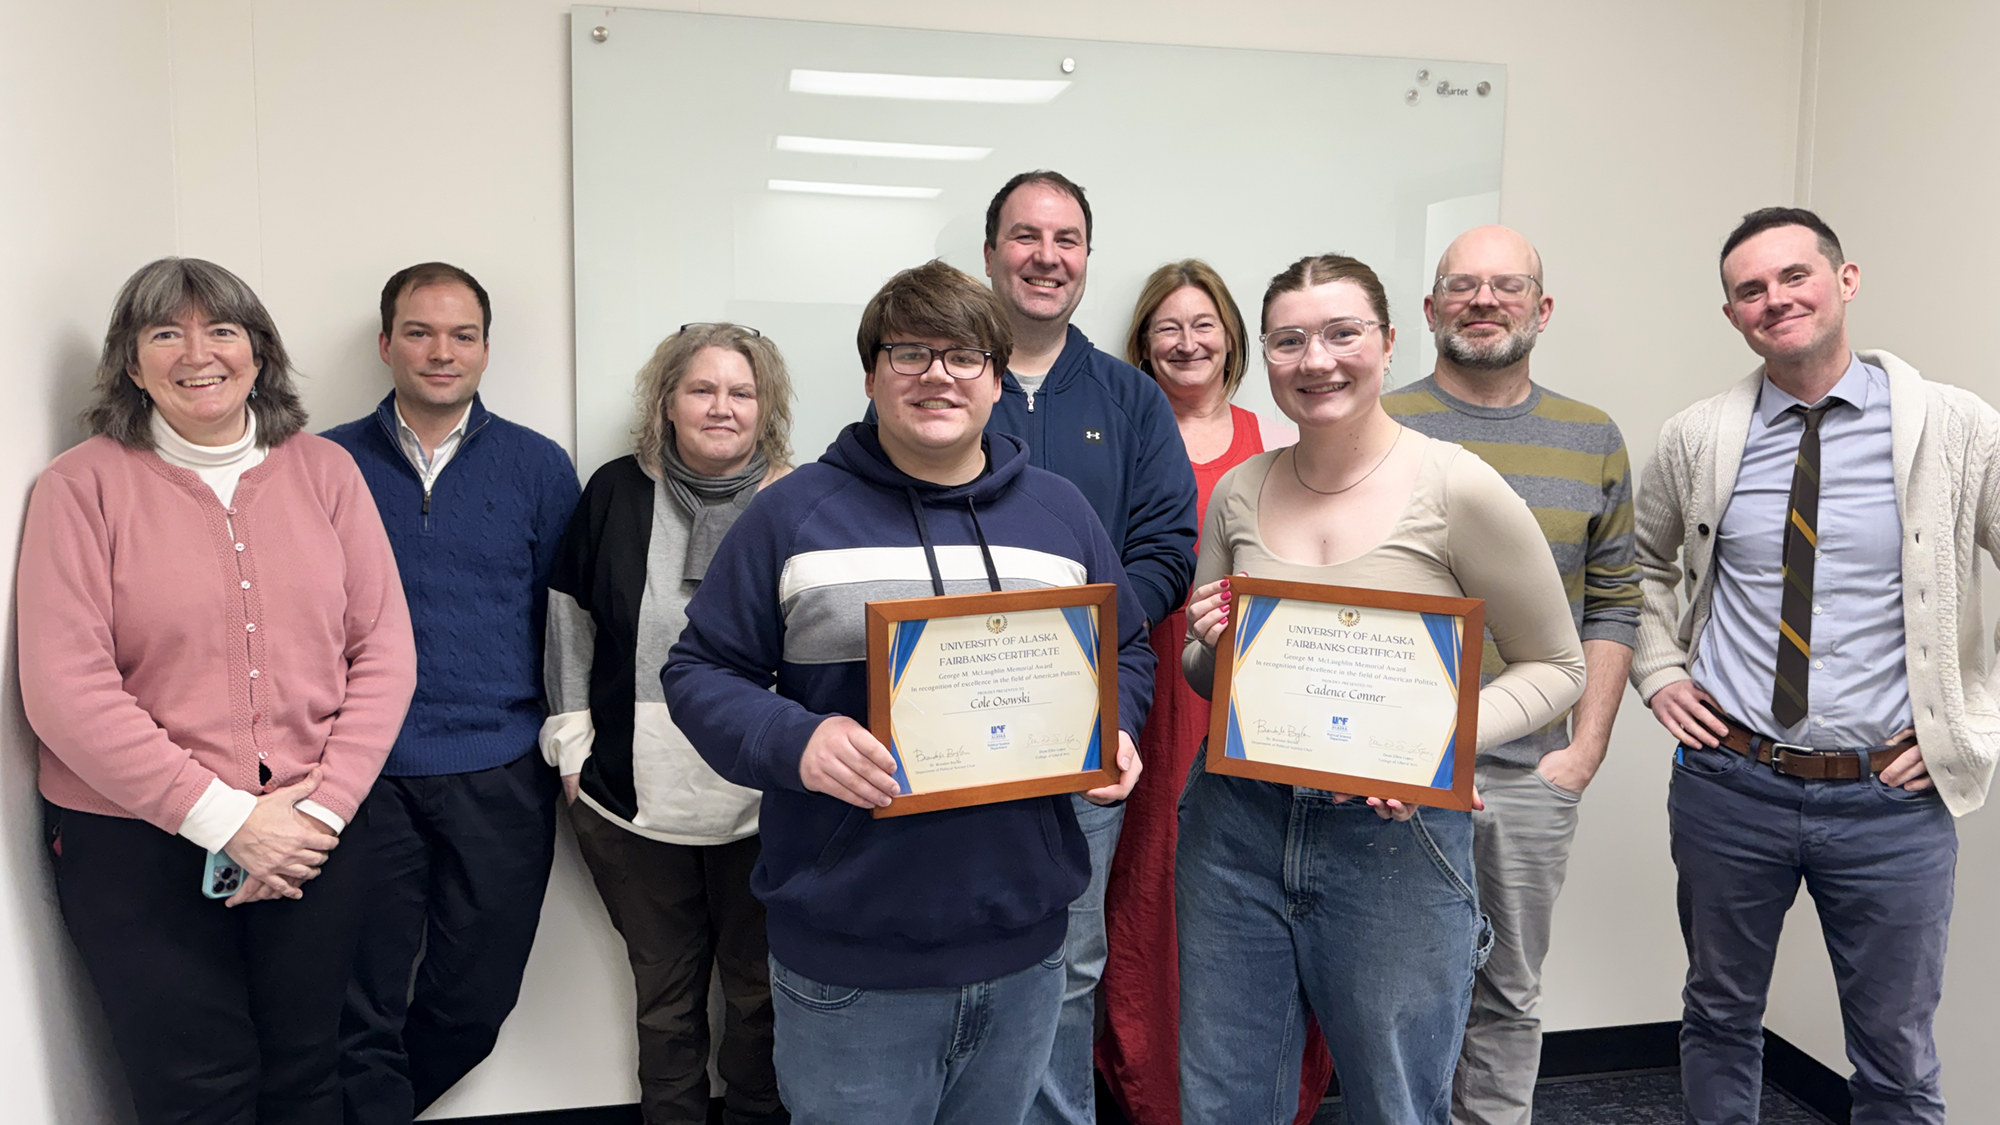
(995, 697)
(1368, 692)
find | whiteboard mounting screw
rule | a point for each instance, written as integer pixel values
(1483, 89)
(599, 34)
(1410, 96)
(1069, 66)
(1423, 76)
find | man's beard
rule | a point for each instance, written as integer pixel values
(1504, 352)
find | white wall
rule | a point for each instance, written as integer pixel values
(86, 194)
(316, 148)
(1902, 147)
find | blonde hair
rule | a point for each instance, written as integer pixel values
(1188, 273)
(662, 375)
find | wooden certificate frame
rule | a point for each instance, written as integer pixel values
(1085, 629)
(1327, 633)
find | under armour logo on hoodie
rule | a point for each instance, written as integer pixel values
(1095, 437)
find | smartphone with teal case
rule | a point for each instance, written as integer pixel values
(220, 877)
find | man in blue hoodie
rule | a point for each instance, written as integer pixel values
(462, 830)
(916, 961)
(1106, 426)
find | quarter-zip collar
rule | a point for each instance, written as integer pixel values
(1068, 367)
(476, 418)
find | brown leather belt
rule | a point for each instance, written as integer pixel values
(1805, 762)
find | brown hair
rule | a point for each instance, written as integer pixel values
(662, 375)
(1325, 269)
(160, 293)
(1045, 178)
(412, 278)
(1188, 273)
(935, 300)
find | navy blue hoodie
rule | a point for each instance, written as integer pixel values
(936, 899)
(1107, 427)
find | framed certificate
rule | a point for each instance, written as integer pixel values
(995, 697)
(1368, 692)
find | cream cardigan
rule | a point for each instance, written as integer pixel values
(1946, 445)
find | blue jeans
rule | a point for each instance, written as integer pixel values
(971, 1055)
(1069, 1092)
(1878, 862)
(1288, 904)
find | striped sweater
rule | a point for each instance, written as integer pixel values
(1568, 461)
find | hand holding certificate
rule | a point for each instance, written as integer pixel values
(995, 697)
(1367, 692)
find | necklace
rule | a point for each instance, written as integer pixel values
(1357, 480)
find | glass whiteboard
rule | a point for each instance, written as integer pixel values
(775, 172)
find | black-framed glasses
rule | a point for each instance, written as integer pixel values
(1505, 286)
(915, 359)
(743, 328)
(1341, 337)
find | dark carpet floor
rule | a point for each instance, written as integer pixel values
(1625, 1099)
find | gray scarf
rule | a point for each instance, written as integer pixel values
(713, 502)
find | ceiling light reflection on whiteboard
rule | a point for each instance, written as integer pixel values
(880, 191)
(924, 87)
(828, 146)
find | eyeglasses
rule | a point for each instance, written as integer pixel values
(1341, 337)
(743, 328)
(915, 359)
(1505, 286)
(1199, 330)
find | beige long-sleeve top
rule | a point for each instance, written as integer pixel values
(1465, 534)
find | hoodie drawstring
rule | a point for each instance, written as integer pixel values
(985, 552)
(930, 552)
(924, 537)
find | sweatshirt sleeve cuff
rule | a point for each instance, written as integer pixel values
(322, 814)
(217, 816)
(566, 740)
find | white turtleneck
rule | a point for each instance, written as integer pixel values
(218, 466)
(221, 810)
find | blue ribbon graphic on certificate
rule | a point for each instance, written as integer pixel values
(992, 698)
(1355, 690)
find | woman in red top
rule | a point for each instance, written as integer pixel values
(1188, 335)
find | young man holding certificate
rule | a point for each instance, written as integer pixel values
(916, 961)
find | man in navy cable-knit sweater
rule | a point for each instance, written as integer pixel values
(463, 827)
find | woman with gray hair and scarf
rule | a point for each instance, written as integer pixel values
(669, 843)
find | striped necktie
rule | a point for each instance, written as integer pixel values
(1795, 614)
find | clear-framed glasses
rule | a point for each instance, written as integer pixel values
(915, 359)
(1341, 337)
(1203, 329)
(1510, 287)
(700, 324)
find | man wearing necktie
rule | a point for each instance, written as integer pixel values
(1826, 676)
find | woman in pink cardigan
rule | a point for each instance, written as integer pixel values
(216, 657)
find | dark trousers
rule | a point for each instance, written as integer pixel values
(1878, 862)
(682, 910)
(458, 865)
(219, 1014)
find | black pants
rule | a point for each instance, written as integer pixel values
(681, 911)
(458, 865)
(219, 1015)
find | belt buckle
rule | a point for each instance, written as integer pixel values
(1778, 750)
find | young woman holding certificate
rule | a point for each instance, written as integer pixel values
(1296, 901)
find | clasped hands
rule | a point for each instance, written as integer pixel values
(280, 848)
(843, 760)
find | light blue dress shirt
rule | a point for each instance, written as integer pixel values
(1858, 692)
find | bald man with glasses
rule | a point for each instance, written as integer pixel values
(1486, 310)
